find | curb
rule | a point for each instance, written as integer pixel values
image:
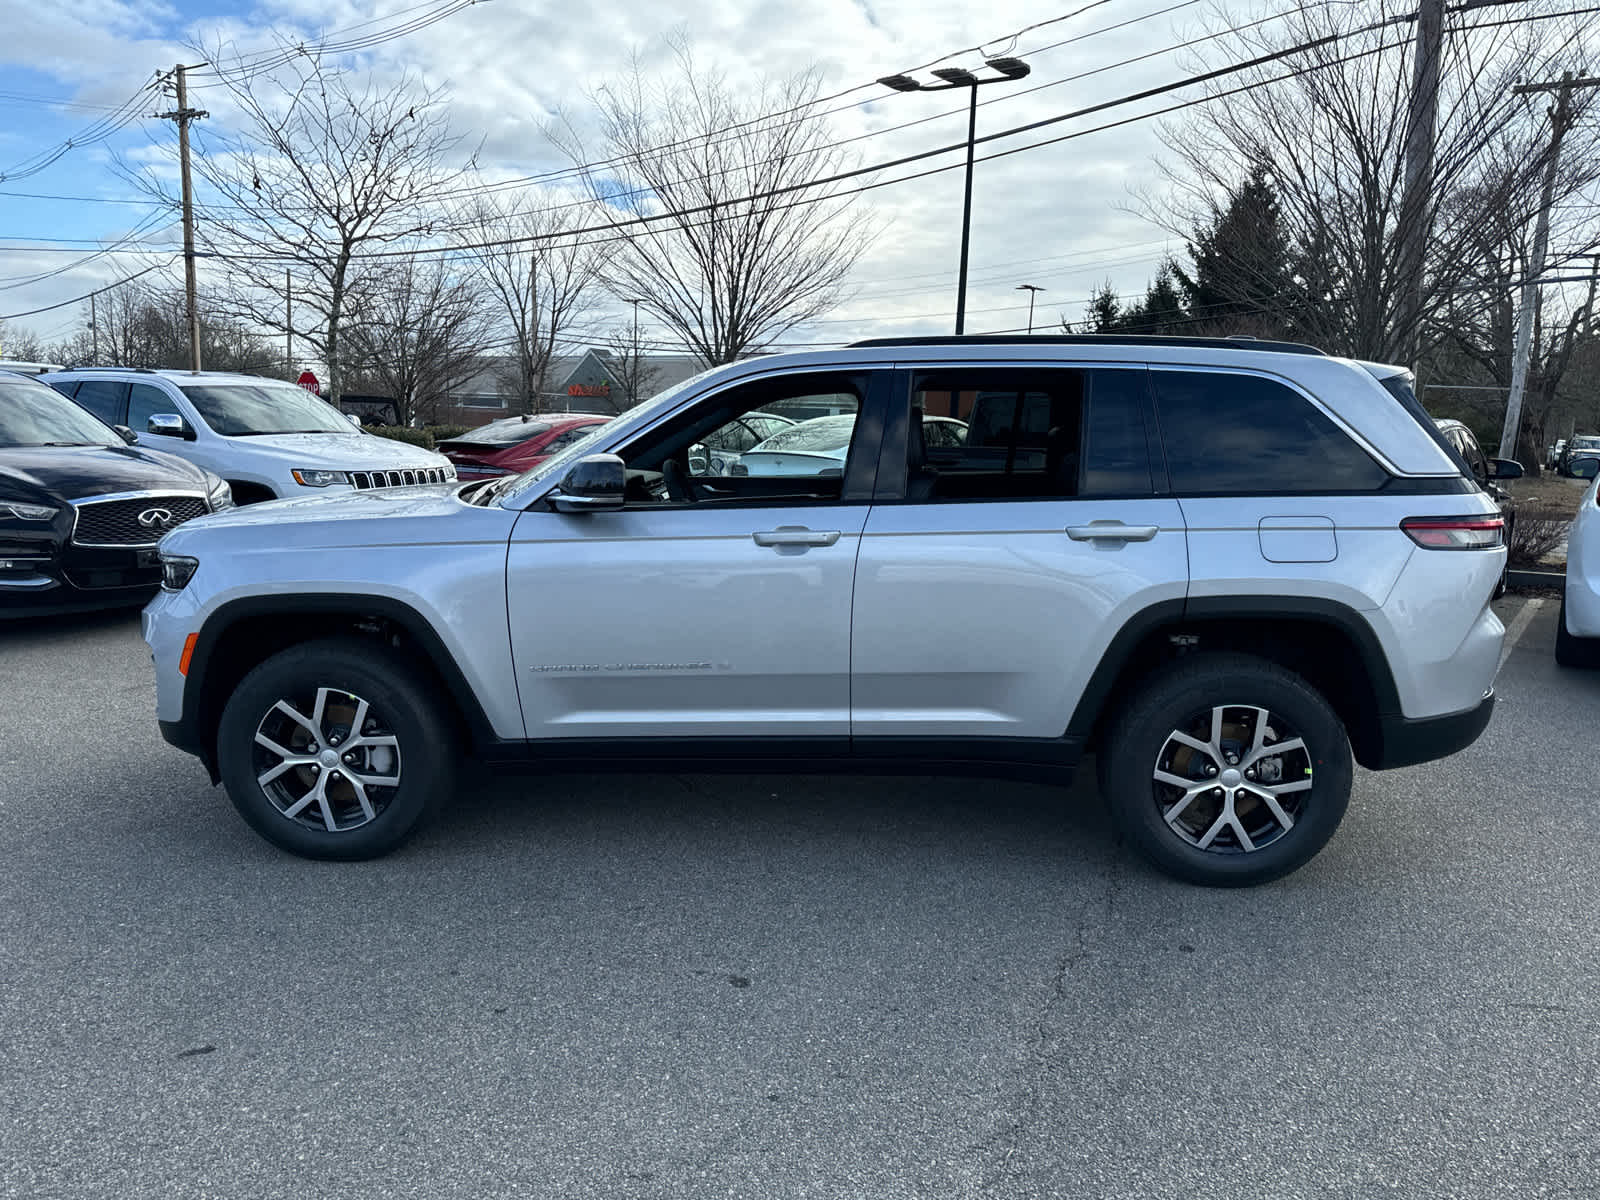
(1556, 580)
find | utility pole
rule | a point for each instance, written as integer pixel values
(1416, 205)
(94, 332)
(1560, 118)
(183, 114)
(288, 325)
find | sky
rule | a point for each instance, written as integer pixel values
(1064, 218)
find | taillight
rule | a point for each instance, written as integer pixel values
(1455, 533)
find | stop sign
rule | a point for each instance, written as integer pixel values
(309, 381)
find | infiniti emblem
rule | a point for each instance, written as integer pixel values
(156, 518)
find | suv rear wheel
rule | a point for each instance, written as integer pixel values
(334, 749)
(1227, 770)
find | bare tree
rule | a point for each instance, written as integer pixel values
(725, 274)
(542, 283)
(1330, 137)
(635, 373)
(306, 167)
(419, 331)
(21, 345)
(138, 325)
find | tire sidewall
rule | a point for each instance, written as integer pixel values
(385, 682)
(1170, 699)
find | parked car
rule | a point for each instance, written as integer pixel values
(1578, 628)
(1579, 450)
(81, 509)
(1267, 566)
(1553, 454)
(269, 439)
(1489, 473)
(515, 444)
(722, 447)
(814, 447)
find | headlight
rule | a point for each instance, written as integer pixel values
(26, 512)
(218, 494)
(315, 477)
(176, 571)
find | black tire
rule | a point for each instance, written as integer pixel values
(400, 710)
(1571, 651)
(1142, 737)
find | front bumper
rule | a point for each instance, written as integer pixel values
(1405, 742)
(78, 580)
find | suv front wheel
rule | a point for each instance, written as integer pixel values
(334, 749)
(1227, 770)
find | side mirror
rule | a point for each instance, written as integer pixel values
(594, 482)
(1505, 468)
(127, 434)
(169, 425)
(353, 419)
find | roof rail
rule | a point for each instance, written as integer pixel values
(1238, 342)
(93, 367)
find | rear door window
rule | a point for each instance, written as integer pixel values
(1236, 434)
(105, 398)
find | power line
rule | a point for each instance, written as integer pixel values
(811, 185)
(80, 299)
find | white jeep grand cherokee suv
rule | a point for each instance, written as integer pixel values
(1231, 569)
(269, 439)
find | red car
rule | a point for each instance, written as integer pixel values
(515, 444)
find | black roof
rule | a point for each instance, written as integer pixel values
(1096, 339)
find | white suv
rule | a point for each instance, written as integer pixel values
(269, 439)
(1230, 569)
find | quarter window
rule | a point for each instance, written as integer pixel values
(1244, 435)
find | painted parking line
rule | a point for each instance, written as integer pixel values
(1518, 627)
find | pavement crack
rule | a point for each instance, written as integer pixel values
(995, 1152)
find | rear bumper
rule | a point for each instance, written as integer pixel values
(1406, 742)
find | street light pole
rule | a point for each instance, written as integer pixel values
(633, 365)
(1033, 290)
(955, 77)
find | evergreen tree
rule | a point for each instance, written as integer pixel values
(1244, 261)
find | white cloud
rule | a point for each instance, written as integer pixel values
(1054, 216)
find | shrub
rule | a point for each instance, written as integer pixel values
(1538, 529)
(445, 433)
(402, 433)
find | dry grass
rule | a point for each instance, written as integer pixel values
(1549, 491)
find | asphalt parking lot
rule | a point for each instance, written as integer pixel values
(668, 986)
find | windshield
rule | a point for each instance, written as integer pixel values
(1586, 443)
(501, 433)
(245, 409)
(32, 414)
(823, 433)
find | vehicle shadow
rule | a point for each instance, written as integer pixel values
(62, 626)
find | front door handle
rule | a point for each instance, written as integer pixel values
(1112, 531)
(796, 535)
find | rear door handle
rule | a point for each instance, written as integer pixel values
(1112, 531)
(796, 535)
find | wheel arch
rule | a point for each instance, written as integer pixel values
(245, 632)
(1329, 644)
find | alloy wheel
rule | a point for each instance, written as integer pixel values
(328, 761)
(1233, 779)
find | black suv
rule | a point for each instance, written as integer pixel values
(82, 507)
